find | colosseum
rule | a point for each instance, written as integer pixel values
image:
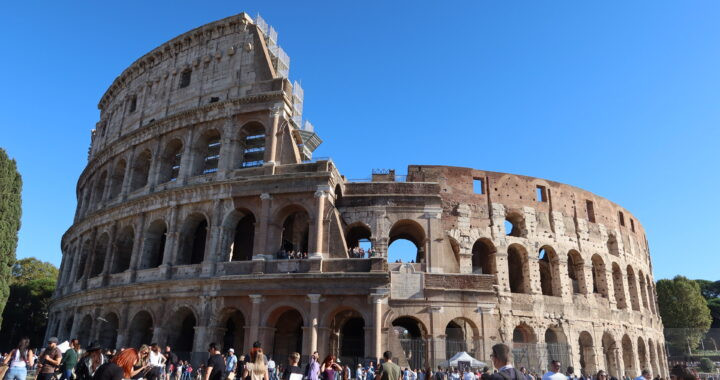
(203, 217)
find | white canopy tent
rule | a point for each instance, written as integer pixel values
(463, 357)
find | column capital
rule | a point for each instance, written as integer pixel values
(378, 297)
(314, 298)
(256, 298)
(265, 196)
(320, 193)
(485, 308)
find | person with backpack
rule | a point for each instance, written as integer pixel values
(501, 360)
(19, 359)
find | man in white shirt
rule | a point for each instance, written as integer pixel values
(271, 369)
(468, 375)
(645, 375)
(554, 372)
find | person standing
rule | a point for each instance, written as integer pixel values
(121, 366)
(90, 362)
(215, 368)
(388, 370)
(329, 368)
(359, 374)
(49, 360)
(271, 369)
(69, 360)
(644, 375)
(19, 359)
(157, 362)
(171, 362)
(468, 375)
(554, 372)
(257, 368)
(312, 370)
(230, 364)
(501, 360)
(293, 370)
(370, 372)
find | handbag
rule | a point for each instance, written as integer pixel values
(3, 370)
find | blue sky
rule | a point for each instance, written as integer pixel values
(619, 98)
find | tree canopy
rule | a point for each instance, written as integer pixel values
(684, 312)
(10, 210)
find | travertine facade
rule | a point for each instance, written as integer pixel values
(199, 172)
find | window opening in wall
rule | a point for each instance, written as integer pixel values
(632, 225)
(541, 193)
(175, 166)
(214, 99)
(590, 211)
(621, 217)
(254, 151)
(185, 78)
(478, 186)
(133, 103)
(514, 225)
(213, 156)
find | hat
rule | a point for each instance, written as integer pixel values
(53, 340)
(231, 350)
(94, 346)
(257, 344)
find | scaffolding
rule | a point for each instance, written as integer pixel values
(280, 59)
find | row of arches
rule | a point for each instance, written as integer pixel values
(641, 289)
(176, 159)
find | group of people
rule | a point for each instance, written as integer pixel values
(291, 254)
(149, 362)
(359, 253)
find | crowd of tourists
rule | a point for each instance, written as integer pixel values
(360, 253)
(291, 254)
(150, 362)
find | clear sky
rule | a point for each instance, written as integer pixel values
(619, 98)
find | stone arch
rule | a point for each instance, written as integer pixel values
(650, 294)
(294, 220)
(632, 288)
(252, 144)
(653, 357)
(85, 252)
(576, 272)
(642, 354)
(409, 333)
(181, 330)
(232, 322)
(107, 337)
(117, 179)
(483, 257)
(356, 232)
(140, 170)
(548, 264)
(347, 335)
(642, 289)
(598, 276)
(587, 352)
(611, 353)
(628, 356)
(515, 224)
(662, 359)
(99, 190)
(461, 334)
(206, 152)
(83, 332)
(140, 330)
(194, 236)
(524, 346)
(170, 161)
(618, 287)
(124, 242)
(67, 329)
(99, 253)
(556, 345)
(612, 244)
(518, 269)
(154, 245)
(410, 230)
(523, 333)
(240, 235)
(288, 336)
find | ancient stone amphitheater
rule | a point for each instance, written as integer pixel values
(200, 171)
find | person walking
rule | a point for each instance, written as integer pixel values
(501, 360)
(90, 362)
(644, 375)
(293, 370)
(49, 360)
(19, 359)
(256, 369)
(312, 370)
(171, 362)
(388, 370)
(215, 368)
(120, 367)
(69, 360)
(271, 369)
(554, 372)
(230, 364)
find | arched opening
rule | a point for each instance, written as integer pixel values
(598, 275)
(107, 337)
(628, 356)
(116, 180)
(194, 238)
(296, 232)
(556, 346)
(653, 357)
(524, 347)
(141, 329)
(358, 240)
(288, 334)
(155, 238)
(618, 287)
(234, 336)
(610, 350)
(642, 290)
(243, 239)
(84, 329)
(518, 269)
(410, 334)
(68, 327)
(612, 245)
(85, 253)
(98, 262)
(181, 332)
(347, 339)
(549, 272)
(170, 161)
(632, 287)
(207, 153)
(99, 191)
(576, 272)
(123, 249)
(515, 225)
(650, 294)
(140, 170)
(252, 141)
(483, 257)
(642, 354)
(459, 337)
(587, 353)
(407, 242)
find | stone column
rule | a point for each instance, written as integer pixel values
(212, 255)
(314, 315)
(377, 300)
(125, 188)
(320, 196)
(172, 237)
(270, 156)
(137, 247)
(186, 161)
(486, 311)
(256, 300)
(262, 247)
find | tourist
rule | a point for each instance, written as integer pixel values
(388, 370)
(256, 369)
(171, 361)
(455, 374)
(230, 364)
(570, 373)
(500, 357)
(142, 365)
(370, 371)
(601, 375)
(468, 375)
(554, 372)
(346, 374)
(49, 360)
(293, 370)
(439, 374)
(18, 360)
(312, 370)
(215, 368)
(90, 362)
(360, 372)
(69, 360)
(644, 375)
(187, 371)
(329, 368)
(271, 365)
(486, 373)
(157, 363)
(121, 366)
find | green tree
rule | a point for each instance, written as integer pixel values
(10, 202)
(684, 312)
(707, 365)
(33, 284)
(709, 289)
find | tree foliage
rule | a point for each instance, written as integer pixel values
(33, 284)
(707, 365)
(709, 289)
(684, 312)
(10, 210)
